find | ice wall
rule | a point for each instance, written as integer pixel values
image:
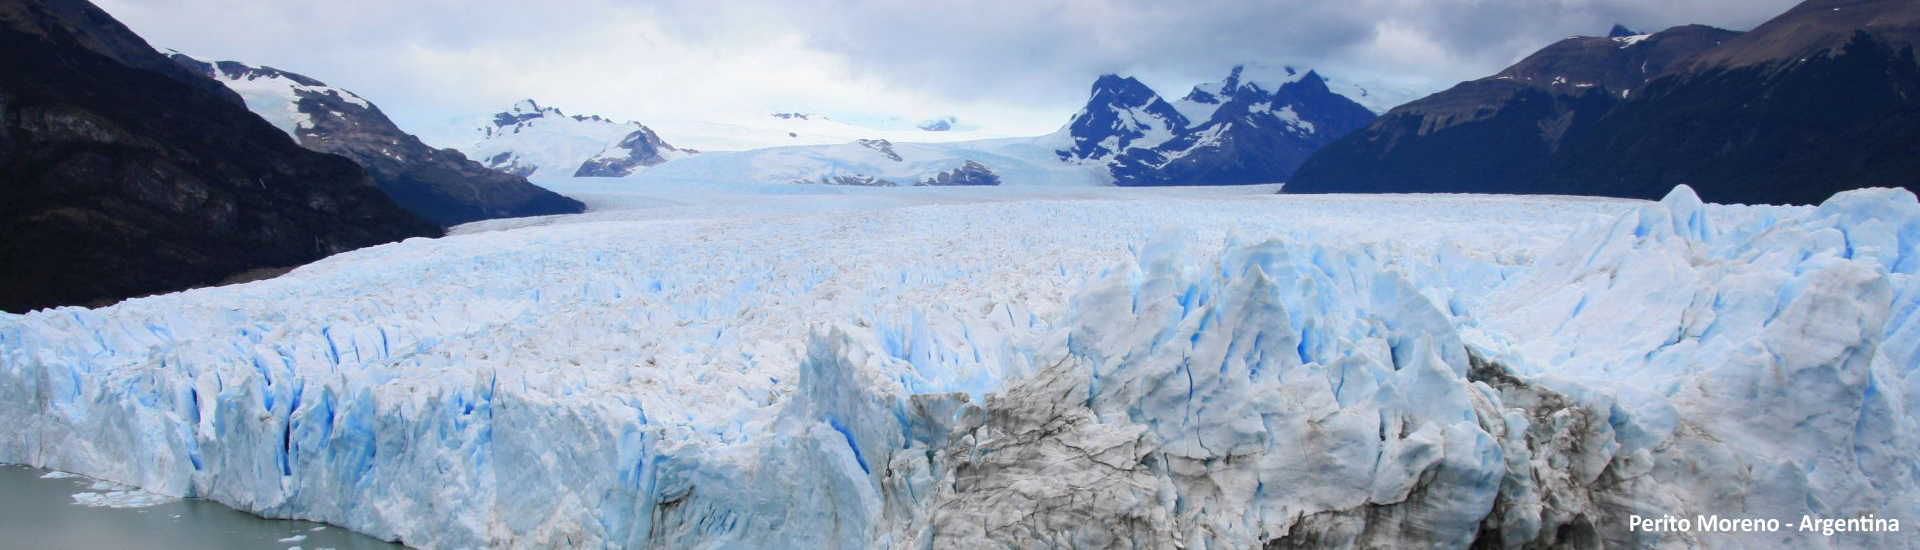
(1279, 391)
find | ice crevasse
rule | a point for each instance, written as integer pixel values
(1682, 359)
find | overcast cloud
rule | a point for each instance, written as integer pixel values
(1012, 66)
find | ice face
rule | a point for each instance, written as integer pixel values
(1026, 368)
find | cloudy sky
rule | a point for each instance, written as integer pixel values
(1013, 67)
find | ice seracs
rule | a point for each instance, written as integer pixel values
(1175, 369)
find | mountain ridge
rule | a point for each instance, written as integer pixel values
(440, 185)
(125, 181)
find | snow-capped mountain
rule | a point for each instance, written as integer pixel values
(440, 185)
(1254, 126)
(530, 138)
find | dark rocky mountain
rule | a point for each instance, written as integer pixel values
(1815, 28)
(1823, 98)
(1255, 126)
(1838, 109)
(1119, 111)
(1495, 134)
(440, 185)
(122, 174)
(93, 30)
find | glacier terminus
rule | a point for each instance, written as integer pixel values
(686, 366)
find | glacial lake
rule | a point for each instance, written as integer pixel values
(41, 512)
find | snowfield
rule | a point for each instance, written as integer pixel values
(1028, 161)
(691, 366)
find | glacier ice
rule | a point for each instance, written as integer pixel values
(1034, 369)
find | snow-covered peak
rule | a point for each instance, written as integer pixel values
(271, 93)
(1122, 91)
(1253, 82)
(1245, 78)
(530, 137)
(527, 111)
(1256, 125)
(1121, 113)
(1268, 77)
(1626, 41)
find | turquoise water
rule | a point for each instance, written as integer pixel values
(40, 513)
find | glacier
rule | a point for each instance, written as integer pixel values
(825, 367)
(1017, 161)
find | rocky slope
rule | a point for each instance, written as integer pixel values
(126, 177)
(441, 185)
(1823, 98)
(1496, 134)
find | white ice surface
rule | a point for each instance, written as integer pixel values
(1017, 161)
(729, 366)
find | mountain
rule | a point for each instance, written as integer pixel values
(530, 138)
(1495, 134)
(1823, 98)
(1815, 28)
(440, 185)
(1378, 97)
(94, 30)
(127, 175)
(1255, 126)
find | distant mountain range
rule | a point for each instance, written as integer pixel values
(127, 174)
(440, 185)
(1822, 98)
(1256, 125)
